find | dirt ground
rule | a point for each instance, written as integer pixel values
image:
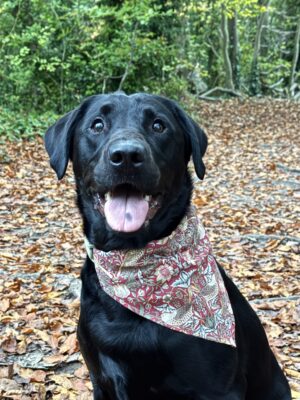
(248, 201)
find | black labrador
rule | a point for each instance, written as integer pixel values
(137, 148)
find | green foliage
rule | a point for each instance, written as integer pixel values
(14, 125)
(54, 53)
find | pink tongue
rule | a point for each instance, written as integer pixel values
(125, 211)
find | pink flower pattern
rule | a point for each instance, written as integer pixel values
(174, 282)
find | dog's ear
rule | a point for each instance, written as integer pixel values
(196, 140)
(58, 140)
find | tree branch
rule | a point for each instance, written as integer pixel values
(132, 48)
(204, 96)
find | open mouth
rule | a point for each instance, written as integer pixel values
(127, 209)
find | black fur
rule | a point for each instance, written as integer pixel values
(130, 357)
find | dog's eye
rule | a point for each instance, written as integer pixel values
(158, 126)
(97, 125)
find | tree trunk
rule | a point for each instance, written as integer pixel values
(212, 39)
(234, 51)
(255, 84)
(225, 50)
(295, 61)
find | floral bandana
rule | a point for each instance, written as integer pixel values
(174, 282)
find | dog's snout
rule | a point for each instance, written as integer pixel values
(127, 155)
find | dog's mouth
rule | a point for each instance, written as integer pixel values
(126, 208)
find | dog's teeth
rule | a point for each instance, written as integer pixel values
(147, 198)
(107, 196)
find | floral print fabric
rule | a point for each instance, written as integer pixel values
(174, 282)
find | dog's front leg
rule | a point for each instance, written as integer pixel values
(113, 379)
(108, 379)
(108, 389)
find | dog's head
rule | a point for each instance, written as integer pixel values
(129, 156)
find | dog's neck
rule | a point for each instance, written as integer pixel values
(163, 224)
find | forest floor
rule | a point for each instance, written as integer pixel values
(249, 202)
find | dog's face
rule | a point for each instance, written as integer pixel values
(129, 156)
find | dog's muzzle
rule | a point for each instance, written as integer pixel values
(129, 200)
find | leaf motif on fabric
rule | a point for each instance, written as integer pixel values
(184, 280)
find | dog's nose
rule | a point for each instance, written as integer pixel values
(127, 155)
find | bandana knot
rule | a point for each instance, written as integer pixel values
(173, 281)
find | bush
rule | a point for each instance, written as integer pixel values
(54, 53)
(14, 125)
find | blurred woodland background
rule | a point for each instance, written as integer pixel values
(54, 53)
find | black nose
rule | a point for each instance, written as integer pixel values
(127, 155)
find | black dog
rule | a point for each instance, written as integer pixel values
(130, 156)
